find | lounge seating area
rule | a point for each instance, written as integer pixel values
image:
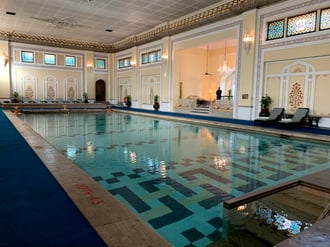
(224, 104)
(54, 106)
(54, 100)
(275, 116)
(48, 100)
(300, 118)
(195, 105)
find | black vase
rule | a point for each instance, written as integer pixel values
(128, 104)
(156, 106)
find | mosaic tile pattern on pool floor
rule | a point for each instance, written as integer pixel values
(175, 176)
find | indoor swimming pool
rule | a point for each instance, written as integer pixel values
(175, 175)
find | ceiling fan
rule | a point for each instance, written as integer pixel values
(207, 61)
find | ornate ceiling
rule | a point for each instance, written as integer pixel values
(110, 25)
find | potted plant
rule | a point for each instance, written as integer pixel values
(15, 95)
(85, 97)
(156, 102)
(128, 100)
(265, 103)
(229, 94)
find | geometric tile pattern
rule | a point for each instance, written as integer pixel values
(175, 176)
(131, 198)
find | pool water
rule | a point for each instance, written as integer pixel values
(173, 175)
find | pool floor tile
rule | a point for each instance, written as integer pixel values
(165, 194)
(192, 234)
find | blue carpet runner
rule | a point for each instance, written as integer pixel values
(34, 208)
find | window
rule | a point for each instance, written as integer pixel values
(70, 61)
(50, 59)
(27, 56)
(325, 19)
(100, 63)
(158, 56)
(124, 62)
(144, 58)
(151, 57)
(301, 24)
(275, 29)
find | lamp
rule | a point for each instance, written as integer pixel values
(89, 67)
(247, 41)
(224, 68)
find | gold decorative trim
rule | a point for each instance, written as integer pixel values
(50, 41)
(220, 12)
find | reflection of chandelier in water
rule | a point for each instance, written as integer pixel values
(133, 157)
(90, 148)
(220, 163)
(224, 68)
(162, 169)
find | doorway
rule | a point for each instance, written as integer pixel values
(100, 91)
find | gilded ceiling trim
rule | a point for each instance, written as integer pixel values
(220, 12)
(54, 42)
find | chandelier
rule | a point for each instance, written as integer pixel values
(224, 68)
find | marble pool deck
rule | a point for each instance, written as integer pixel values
(116, 224)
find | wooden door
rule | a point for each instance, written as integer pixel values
(100, 91)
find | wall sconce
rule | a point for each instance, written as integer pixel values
(165, 56)
(4, 59)
(89, 67)
(133, 64)
(247, 41)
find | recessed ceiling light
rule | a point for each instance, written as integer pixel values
(108, 30)
(10, 13)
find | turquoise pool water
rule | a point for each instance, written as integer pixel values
(173, 175)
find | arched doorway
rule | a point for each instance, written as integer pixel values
(100, 91)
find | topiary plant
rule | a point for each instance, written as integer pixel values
(265, 101)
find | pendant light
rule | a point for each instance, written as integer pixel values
(224, 68)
